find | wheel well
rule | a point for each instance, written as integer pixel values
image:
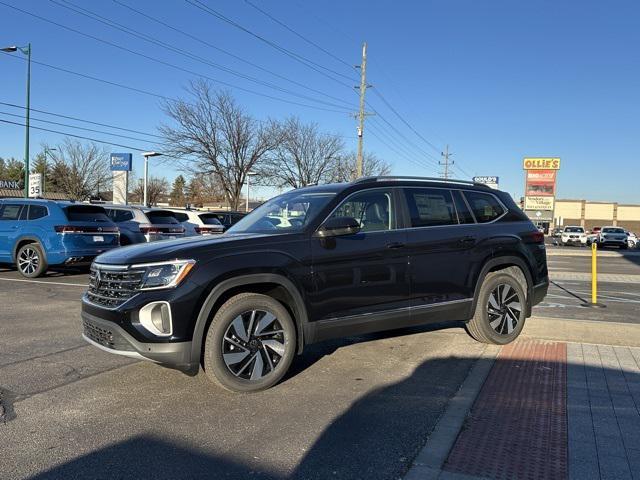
(22, 243)
(514, 270)
(273, 290)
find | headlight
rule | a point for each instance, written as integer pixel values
(164, 274)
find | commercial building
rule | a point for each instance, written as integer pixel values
(589, 214)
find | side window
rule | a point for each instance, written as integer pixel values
(37, 211)
(485, 207)
(182, 217)
(23, 213)
(235, 219)
(464, 214)
(119, 215)
(11, 211)
(430, 207)
(373, 210)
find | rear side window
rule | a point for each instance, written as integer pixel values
(10, 211)
(162, 216)
(37, 211)
(209, 219)
(429, 207)
(118, 215)
(236, 218)
(86, 213)
(464, 214)
(485, 207)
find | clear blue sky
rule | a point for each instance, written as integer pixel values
(496, 80)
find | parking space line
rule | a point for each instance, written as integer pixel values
(46, 283)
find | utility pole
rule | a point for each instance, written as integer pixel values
(361, 113)
(446, 163)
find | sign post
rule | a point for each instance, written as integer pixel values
(594, 279)
(35, 185)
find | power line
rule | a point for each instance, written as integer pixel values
(162, 62)
(310, 42)
(184, 52)
(297, 57)
(426, 162)
(226, 52)
(397, 151)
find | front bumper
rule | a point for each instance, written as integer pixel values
(112, 338)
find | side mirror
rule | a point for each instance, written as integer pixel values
(338, 226)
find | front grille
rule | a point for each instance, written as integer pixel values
(105, 336)
(111, 288)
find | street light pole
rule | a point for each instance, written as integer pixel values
(249, 174)
(146, 156)
(26, 51)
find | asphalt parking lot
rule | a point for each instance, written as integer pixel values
(355, 408)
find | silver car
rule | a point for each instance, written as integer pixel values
(141, 224)
(612, 237)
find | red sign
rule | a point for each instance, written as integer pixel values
(541, 183)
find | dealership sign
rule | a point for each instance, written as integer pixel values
(490, 181)
(538, 203)
(121, 162)
(540, 163)
(9, 184)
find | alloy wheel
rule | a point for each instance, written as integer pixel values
(504, 308)
(253, 344)
(28, 260)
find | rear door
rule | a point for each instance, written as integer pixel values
(440, 246)
(9, 224)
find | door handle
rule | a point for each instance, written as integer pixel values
(467, 241)
(395, 245)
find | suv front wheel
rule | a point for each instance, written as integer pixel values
(500, 310)
(250, 343)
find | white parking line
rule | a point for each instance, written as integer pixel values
(46, 283)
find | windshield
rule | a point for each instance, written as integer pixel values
(574, 230)
(286, 213)
(613, 230)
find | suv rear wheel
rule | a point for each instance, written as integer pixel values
(250, 343)
(30, 260)
(500, 310)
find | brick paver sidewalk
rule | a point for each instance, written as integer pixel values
(553, 410)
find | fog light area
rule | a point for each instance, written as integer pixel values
(156, 317)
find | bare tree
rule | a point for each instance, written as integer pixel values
(304, 156)
(345, 167)
(219, 135)
(156, 188)
(80, 169)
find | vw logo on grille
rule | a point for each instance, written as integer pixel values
(99, 229)
(98, 280)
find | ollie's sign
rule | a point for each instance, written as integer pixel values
(541, 163)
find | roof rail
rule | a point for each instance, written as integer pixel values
(384, 178)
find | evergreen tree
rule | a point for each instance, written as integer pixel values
(177, 196)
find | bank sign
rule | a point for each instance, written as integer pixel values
(121, 162)
(9, 184)
(541, 163)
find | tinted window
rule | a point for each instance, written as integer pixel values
(613, 230)
(23, 214)
(236, 218)
(373, 210)
(37, 211)
(118, 215)
(162, 216)
(430, 207)
(574, 230)
(10, 211)
(464, 214)
(181, 217)
(209, 219)
(484, 206)
(86, 213)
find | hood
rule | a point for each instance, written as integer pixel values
(183, 248)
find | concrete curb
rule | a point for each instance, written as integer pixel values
(427, 465)
(583, 331)
(586, 277)
(586, 252)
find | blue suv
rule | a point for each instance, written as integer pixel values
(35, 234)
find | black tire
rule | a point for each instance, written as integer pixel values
(480, 326)
(273, 365)
(30, 260)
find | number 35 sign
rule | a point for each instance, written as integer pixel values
(35, 185)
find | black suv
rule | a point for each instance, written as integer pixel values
(315, 263)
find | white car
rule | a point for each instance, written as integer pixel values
(573, 236)
(612, 237)
(632, 239)
(197, 222)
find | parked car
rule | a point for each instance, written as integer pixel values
(197, 222)
(573, 235)
(37, 234)
(228, 218)
(375, 254)
(613, 237)
(557, 232)
(593, 235)
(632, 240)
(140, 224)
